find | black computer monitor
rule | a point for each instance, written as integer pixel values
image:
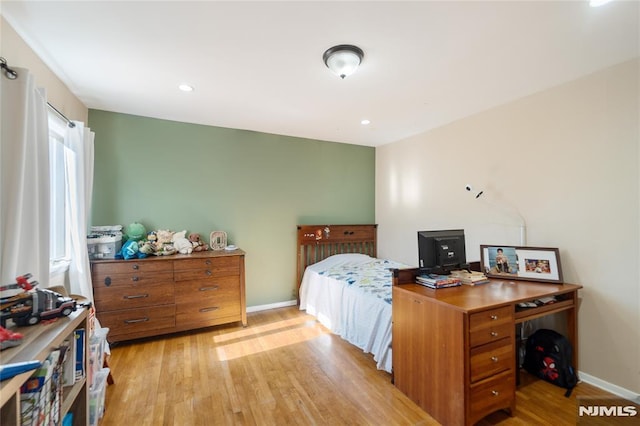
(440, 252)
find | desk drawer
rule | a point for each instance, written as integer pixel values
(492, 394)
(491, 325)
(491, 358)
(491, 333)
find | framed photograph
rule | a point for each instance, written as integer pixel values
(521, 263)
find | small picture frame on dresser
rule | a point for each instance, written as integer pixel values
(218, 240)
(540, 264)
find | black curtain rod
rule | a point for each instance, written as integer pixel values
(12, 75)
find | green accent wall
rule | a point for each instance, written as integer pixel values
(255, 186)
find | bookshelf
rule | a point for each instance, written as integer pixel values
(39, 341)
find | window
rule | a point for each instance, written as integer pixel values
(59, 241)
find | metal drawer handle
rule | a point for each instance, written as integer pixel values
(133, 321)
(208, 272)
(495, 393)
(203, 310)
(208, 262)
(494, 317)
(494, 358)
(213, 287)
(417, 301)
(135, 278)
(494, 334)
(136, 267)
(137, 296)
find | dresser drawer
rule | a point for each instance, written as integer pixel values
(492, 394)
(220, 290)
(491, 358)
(129, 321)
(131, 266)
(136, 278)
(206, 313)
(490, 325)
(133, 295)
(207, 302)
(190, 269)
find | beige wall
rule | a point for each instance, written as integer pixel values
(567, 159)
(19, 54)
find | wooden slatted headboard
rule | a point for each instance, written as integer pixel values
(317, 242)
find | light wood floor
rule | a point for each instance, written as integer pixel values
(284, 368)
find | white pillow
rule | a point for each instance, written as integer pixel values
(339, 259)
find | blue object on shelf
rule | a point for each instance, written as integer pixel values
(7, 371)
(67, 420)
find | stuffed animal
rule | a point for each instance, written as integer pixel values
(198, 245)
(130, 250)
(166, 250)
(181, 243)
(163, 236)
(152, 238)
(146, 247)
(136, 231)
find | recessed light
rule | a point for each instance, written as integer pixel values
(365, 122)
(185, 87)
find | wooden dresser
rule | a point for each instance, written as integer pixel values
(454, 348)
(158, 295)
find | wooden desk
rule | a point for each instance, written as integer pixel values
(454, 349)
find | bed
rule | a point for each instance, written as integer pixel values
(344, 285)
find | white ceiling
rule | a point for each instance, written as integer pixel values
(258, 65)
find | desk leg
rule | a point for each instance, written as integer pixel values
(572, 328)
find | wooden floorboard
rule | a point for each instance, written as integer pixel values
(283, 368)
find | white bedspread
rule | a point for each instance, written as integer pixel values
(350, 294)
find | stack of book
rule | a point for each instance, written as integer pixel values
(470, 277)
(437, 281)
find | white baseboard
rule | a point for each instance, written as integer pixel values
(271, 306)
(609, 387)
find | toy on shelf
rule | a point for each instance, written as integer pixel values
(22, 283)
(136, 231)
(9, 339)
(33, 305)
(198, 244)
(181, 243)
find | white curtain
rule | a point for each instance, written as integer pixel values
(24, 179)
(79, 176)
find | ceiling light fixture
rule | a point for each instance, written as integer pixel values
(343, 60)
(365, 122)
(185, 88)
